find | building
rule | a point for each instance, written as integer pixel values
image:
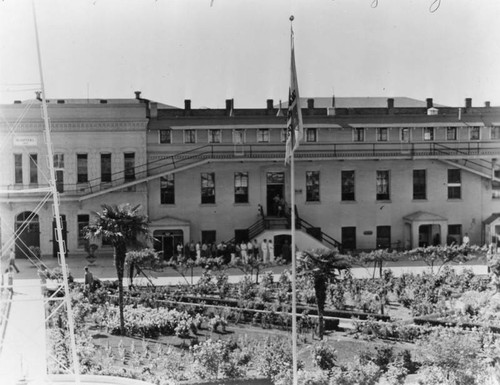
(99, 148)
(370, 172)
(390, 173)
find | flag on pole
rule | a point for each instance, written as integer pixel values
(295, 129)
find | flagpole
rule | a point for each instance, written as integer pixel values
(294, 257)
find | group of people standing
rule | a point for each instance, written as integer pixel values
(230, 251)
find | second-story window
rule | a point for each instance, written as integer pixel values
(347, 182)
(214, 136)
(451, 133)
(474, 133)
(241, 187)
(312, 135)
(405, 134)
(82, 168)
(58, 160)
(33, 169)
(263, 135)
(105, 168)
(312, 186)
(454, 184)
(165, 136)
(189, 136)
(207, 187)
(129, 166)
(419, 184)
(18, 168)
(382, 134)
(358, 134)
(383, 184)
(238, 136)
(495, 132)
(428, 133)
(167, 189)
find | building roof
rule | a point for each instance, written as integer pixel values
(361, 102)
(492, 218)
(422, 216)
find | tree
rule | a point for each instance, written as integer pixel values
(124, 227)
(322, 266)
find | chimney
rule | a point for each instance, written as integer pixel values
(487, 104)
(429, 103)
(229, 107)
(333, 101)
(38, 95)
(17, 102)
(138, 95)
(270, 104)
(390, 103)
(153, 110)
(187, 104)
(468, 102)
(310, 103)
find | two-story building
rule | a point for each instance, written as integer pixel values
(99, 149)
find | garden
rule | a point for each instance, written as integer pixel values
(439, 327)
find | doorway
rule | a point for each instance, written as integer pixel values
(166, 242)
(27, 233)
(429, 235)
(274, 188)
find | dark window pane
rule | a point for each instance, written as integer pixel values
(419, 184)
(347, 178)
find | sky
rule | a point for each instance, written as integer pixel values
(212, 50)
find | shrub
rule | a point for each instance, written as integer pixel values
(324, 356)
(275, 360)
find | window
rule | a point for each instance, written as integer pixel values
(208, 236)
(18, 168)
(189, 136)
(208, 187)
(382, 134)
(238, 136)
(263, 135)
(347, 178)
(348, 238)
(60, 180)
(214, 136)
(129, 166)
(58, 160)
(82, 168)
(33, 169)
(454, 184)
(105, 168)
(474, 133)
(383, 185)
(383, 237)
(428, 133)
(165, 136)
(312, 186)
(284, 133)
(83, 220)
(495, 132)
(405, 134)
(311, 135)
(419, 184)
(451, 133)
(358, 134)
(167, 190)
(454, 235)
(241, 187)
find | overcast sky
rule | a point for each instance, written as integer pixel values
(212, 50)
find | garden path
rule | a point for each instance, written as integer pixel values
(23, 351)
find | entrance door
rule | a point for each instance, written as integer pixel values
(27, 232)
(55, 244)
(429, 235)
(166, 241)
(275, 189)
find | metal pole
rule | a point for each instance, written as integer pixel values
(55, 194)
(294, 269)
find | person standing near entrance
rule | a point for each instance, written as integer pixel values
(270, 248)
(264, 251)
(466, 240)
(12, 259)
(89, 280)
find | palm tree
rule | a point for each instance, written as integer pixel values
(124, 227)
(322, 266)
